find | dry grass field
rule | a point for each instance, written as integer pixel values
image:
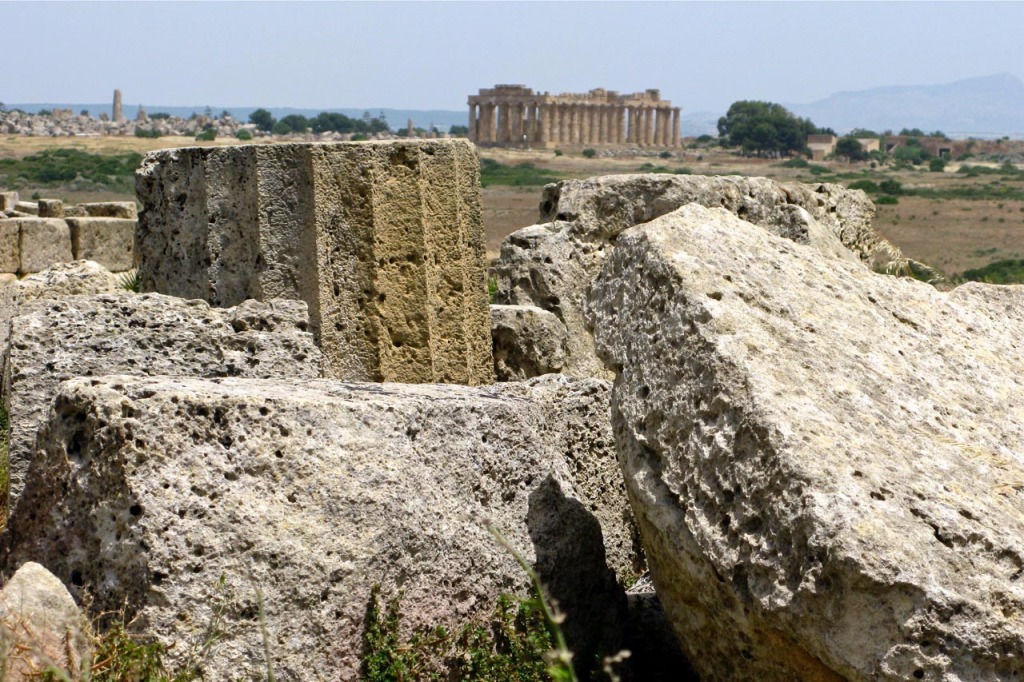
(944, 230)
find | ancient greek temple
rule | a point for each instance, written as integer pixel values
(516, 116)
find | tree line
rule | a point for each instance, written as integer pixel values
(323, 122)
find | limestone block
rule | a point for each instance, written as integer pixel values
(8, 201)
(54, 340)
(551, 265)
(51, 208)
(148, 490)
(10, 240)
(527, 342)
(384, 242)
(108, 241)
(8, 278)
(824, 463)
(29, 207)
(43, 242)
(110, 209)
(41, 627)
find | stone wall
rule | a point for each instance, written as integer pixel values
(383, 241)
(36, 235)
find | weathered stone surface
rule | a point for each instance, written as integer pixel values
(149, 489)
(29, 207)
(8, 201)
(142, 335)
(527, 342)
(108, 241)
(551, 265)
(43, 242)
(10, 249)
(825, 463)
(384, 242)
(110, 209)
(41, 627)
(51, 208)
(63, 279)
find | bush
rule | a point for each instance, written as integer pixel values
(937, 165)
(147, 132)
(1009, 271)
(281, 128)
(886, 199)
(795, 162)
(589, 153)
(558, 152)
(54, 167)
(665, 155)
(890, 186)
(208, 135)
(866, 185)
(243, 134)
(521, 175)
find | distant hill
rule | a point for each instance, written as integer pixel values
(396, 118)
(989, 106)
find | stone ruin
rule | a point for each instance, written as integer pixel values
(818, 465)
(516, 116)
(35, 235)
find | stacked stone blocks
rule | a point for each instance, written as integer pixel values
(383, 241)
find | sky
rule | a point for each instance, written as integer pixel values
(431, 55)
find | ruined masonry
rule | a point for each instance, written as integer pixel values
(515, 115)
(383, 241)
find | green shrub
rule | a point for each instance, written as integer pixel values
(866, 185)
(244, 134)
(1010, 271)
(589, 153)
(937, 165)
(665, 155)
(55, 167)
(886, 199)
(558, 152)
(147, 132)
(208, 135)
(795, 162)
(890, 186)
(521, 175)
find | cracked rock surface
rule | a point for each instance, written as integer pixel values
(551, 265)
(825, 464)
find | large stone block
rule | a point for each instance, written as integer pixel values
(107, 241)
(43, 242)
(384, 242)
(527, 342)
(552, 265)
(51, 208)
(8, 201)
(10, 245)
(110, 209)
(825, 463)
(54, 340)
(148, 491)
(29, 207)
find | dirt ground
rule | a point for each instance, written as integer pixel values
(951, 234)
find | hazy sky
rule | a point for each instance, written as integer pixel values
(431, 55)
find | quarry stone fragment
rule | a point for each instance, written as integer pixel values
(41, 627)
(148, 490)
(110, 209)
(58, 281)
(54, 340)
(43, 242)
(29, 207)
(383, 241)
(10, 249)
(825, 463)
(552, 264)
(8, 201)
(51, 208)
(107, 241)
(527, 342)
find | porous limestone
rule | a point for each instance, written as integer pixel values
(527, 342)
(42, 242)
(54, 340)
(383, 241)
(8, 201)
(10, 246)
(280, 503)
(825, 463)
(58, 281)
(41, 628)
(51, 208)
(110, 209)
(107, 241)
(551, 265)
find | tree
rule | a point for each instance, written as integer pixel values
(458, 130)
(850, 148)
(263, 119)
(296, 122)
(764, 128)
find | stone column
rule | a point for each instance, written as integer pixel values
(630, 125)
(531, 123)
(492, 122)
(620, 125)
(574, 123)
(516, 134)
(472, 122)
(116, 115)
(595, 123)
(675, 127)
(648, 126)
(602, 124)
(659, 126)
